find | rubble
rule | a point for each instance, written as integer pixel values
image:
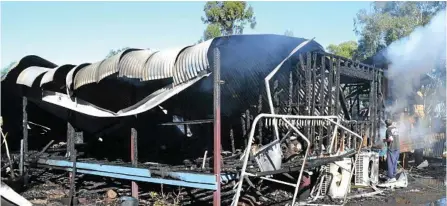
(111, 194)
(9, 194)
(423, 164)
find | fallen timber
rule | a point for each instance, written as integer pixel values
(324, 88)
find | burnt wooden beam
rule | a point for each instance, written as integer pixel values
(337, 86)
(314, 95)
(308, 79)
(356, 73)
(289, 103)
(134, 158)
(322, 102)
(344, 105)
(329, 95)
(25, 126)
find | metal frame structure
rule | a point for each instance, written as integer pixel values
(246, 154)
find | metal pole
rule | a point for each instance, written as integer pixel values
(134, 158)
(217, 145)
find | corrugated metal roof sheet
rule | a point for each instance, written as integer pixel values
(161, 64)
(25, 62)
(111, 65)
(191, 62)
(50, 75)
(29, 75)
(133, 63)
(87, 75)
(69, 78)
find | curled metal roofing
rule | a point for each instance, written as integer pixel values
(181, 64)
(244, 59)
(29, 75)
(191, 62)
(133, 63)
(161, 65)
(49, 76)
(26, 62)
(70, 76)
(87, 75)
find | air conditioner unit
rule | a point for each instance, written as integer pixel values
(367, 169)
(340, 171)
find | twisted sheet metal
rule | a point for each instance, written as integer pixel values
(25, 62)
(69, 78)
(49, 76)
(29, 75)
(151, 101)
(132, 64)
(87, 75)
(161, 64)
(191, 62)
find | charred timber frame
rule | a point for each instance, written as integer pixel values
(326, 84)
(307, 114)
(184, 179)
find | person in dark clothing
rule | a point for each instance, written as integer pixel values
(393, 149)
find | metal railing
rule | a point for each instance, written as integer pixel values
(285, 118)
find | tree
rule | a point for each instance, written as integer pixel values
(6, 69)
(288, 33)
(345, 49)
(227, 18)
(390, 21)
(113, 52)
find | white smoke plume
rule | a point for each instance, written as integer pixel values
(411, 58)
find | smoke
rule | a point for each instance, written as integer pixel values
(412, 58)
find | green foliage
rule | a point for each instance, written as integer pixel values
(346, 49)
(213, 30)
(113, 52)
(390, 21)
(6, 69)
(288, 33)
(227, 18)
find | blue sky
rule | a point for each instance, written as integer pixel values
(77, 32)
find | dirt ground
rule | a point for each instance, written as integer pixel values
(425, 187)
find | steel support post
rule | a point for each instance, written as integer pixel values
(134, 158)
(217, 145)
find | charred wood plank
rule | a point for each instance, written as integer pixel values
(344, 105)
(314, 95)
(322, 102)
(337, 86)
(356, 73)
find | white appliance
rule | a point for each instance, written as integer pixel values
(367, 169)
(341, 171)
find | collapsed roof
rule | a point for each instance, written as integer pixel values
(137, 80)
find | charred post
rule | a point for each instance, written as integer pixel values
(314, 96)
(322, 102)
(25, 129)
(134, 157)
(217, 126)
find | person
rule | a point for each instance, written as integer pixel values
(393, 149)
